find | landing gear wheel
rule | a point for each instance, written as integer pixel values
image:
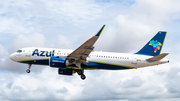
(79, 72)
(28, 71)
(83, 77)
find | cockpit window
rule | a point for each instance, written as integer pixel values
(19, 51)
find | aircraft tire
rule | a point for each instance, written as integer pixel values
(79, 72)
(83, 77)
(28, 71)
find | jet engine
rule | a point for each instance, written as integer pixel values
(65, 71)
(58, 62)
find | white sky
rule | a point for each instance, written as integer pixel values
(69, 23)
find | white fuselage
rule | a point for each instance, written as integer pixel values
(119, 59)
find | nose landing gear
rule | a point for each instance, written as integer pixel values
(28, 70)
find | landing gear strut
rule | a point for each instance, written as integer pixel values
(28, 70)
(81, 73)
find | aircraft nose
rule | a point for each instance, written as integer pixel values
(12, 57)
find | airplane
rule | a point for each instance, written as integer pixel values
(83, 58)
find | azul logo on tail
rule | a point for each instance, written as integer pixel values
(156, 45)
(43, 53)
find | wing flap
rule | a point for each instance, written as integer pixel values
(157, 58)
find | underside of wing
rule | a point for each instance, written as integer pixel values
(81, 53)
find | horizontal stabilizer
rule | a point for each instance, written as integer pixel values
(157, 58)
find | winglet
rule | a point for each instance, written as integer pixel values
(99, 32)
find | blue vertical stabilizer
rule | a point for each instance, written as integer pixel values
(154, 46)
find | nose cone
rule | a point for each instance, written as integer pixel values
(12, 57)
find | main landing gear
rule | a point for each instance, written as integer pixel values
(81, 73)
(28, 70)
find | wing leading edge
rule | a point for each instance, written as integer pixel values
(79, 55)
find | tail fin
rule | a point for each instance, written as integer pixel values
(154, 46)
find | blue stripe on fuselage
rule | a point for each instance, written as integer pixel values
(37, 62)
(89, 66)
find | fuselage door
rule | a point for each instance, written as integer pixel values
(27, 53)
(134, 61)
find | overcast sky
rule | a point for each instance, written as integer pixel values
(130, 24)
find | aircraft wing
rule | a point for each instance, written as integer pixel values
(157, 58)
(81, 53)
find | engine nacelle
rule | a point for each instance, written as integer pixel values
(59, 62)
(65, 71)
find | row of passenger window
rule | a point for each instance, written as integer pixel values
(115, 57)
(62, 53)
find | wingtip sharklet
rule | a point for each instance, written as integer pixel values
(100, 31)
